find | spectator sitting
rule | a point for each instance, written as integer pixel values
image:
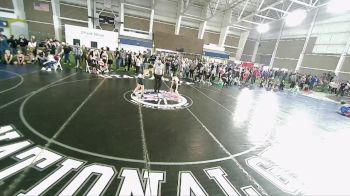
(49, 63)
(334, 87)
(8, 57)
(103, 67)
(281, 86)
(41, 57)
(20, 58)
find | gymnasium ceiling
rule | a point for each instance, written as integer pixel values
(246, 14)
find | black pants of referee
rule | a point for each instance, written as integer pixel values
(157, 82)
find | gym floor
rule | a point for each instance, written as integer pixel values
(227, 141)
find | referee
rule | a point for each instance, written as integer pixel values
(158, 72)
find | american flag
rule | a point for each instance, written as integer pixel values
(42, 6)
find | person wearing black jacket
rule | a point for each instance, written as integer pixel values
(23, 43)
(66, 51)
(341, 90)
(12, 44)
(128, 61)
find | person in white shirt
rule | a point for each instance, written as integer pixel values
(158, 72)
(78, 53)
(32, 49)
(138, 64)
(49, 63)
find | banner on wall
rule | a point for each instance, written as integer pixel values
(135, 45)
(42, 6)
(18, 27)
(216, 54)
(91, 38)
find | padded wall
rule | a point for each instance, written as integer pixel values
(74, 12)
(290, 48)
(312, 71)
(6, 4)
(263, 59)
(172, 42)
(136, 23)
(320, 62)
(289, 64)
(41, 31)
(163, 27)
(211, 38)
(346, 65)
(344, 76)
(231, 51)
(232, 41)
(266, 46)
(188, 32)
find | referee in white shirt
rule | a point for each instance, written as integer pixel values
(158, 72)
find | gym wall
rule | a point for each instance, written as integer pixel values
(265, 50)
(288, 53)
(248, 50)
(326, 43)
(136, 23)
(188, 32)
(163, 27)
(40, 23)
(346, 66)
(6, 4)
(320, 61)
(170, 41)
(211, 37)
(232, 40)
(330, 34)
(74, 12)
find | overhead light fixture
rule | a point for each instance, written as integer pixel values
(263, 28)
(338, 6)
(295, 18)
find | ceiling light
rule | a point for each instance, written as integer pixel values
(295, 18)
(339, 6)
(263, 28)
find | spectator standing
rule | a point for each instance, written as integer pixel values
(3, 44)
(110, 59)
(128, 61)
(32, 45)
(78, 53)
(66, 51)
(138, 64)
(104, 56)
(12, 42)
(341, 90)
(145, 60)
(122, 56)
(118, 59)
(85, 55)
(23, 44)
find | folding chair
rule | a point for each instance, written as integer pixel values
(58, 64)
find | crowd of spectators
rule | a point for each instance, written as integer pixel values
(101, 61)
(234, 74)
